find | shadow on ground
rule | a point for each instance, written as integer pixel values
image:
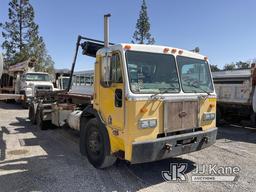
(151, 173)
(2, 142)
(237, 133)
(10, 105)
(64, 169)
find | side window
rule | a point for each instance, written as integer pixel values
(115, 67)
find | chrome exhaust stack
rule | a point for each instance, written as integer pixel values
(106, 30)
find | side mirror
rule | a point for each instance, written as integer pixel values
(1, 64)
(106, 71)
(52, 79)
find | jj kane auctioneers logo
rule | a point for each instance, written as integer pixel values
(201, 173)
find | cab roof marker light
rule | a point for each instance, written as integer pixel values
(211, 105)
(174, 50)
(127, 47)
(180, 52)
(143, 110)
(166, 50)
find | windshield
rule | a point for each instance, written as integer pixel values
(195, 75)
(152, 72)
(37, 77)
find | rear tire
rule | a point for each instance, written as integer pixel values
(97, 145)
(41, 124)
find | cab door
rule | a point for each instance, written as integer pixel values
(112, 97)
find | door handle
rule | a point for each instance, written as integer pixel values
(118, 97)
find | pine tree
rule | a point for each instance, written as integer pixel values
(21, 37)
(142, 34)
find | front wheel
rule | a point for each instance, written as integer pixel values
(31, 113)
(97, 145)
(24, 102)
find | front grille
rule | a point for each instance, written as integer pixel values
(43, 87)
(180, 115)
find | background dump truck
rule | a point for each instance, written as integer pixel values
(61, 79)
(145, 106)
(236, 94)
(21, 79)
(3, 95)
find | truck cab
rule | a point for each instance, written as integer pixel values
(155, 101)
(61, 79)
(148, 103)
(30, 82)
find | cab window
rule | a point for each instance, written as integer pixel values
(115, 67)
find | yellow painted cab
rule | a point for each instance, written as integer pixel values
(150, 103)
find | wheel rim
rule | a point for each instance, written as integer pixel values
(94, 144)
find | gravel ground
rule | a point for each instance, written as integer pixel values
(35, 160)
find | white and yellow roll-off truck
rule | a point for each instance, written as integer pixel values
(148, 103)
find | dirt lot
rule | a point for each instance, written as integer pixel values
(35, 160)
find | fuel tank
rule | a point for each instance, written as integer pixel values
(74, 119)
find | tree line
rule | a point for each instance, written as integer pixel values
(22, 39)
(234, 65)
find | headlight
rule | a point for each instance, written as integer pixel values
(147, 123)
(28, 91)
(28, 85)
(209, 116)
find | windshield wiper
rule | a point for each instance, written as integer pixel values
(162, 92)
(198, 87)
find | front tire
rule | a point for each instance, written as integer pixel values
(97, 145)
(24, 102)
(31, 113)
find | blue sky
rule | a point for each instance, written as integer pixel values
(225, 30)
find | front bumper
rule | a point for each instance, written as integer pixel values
(172, 146)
